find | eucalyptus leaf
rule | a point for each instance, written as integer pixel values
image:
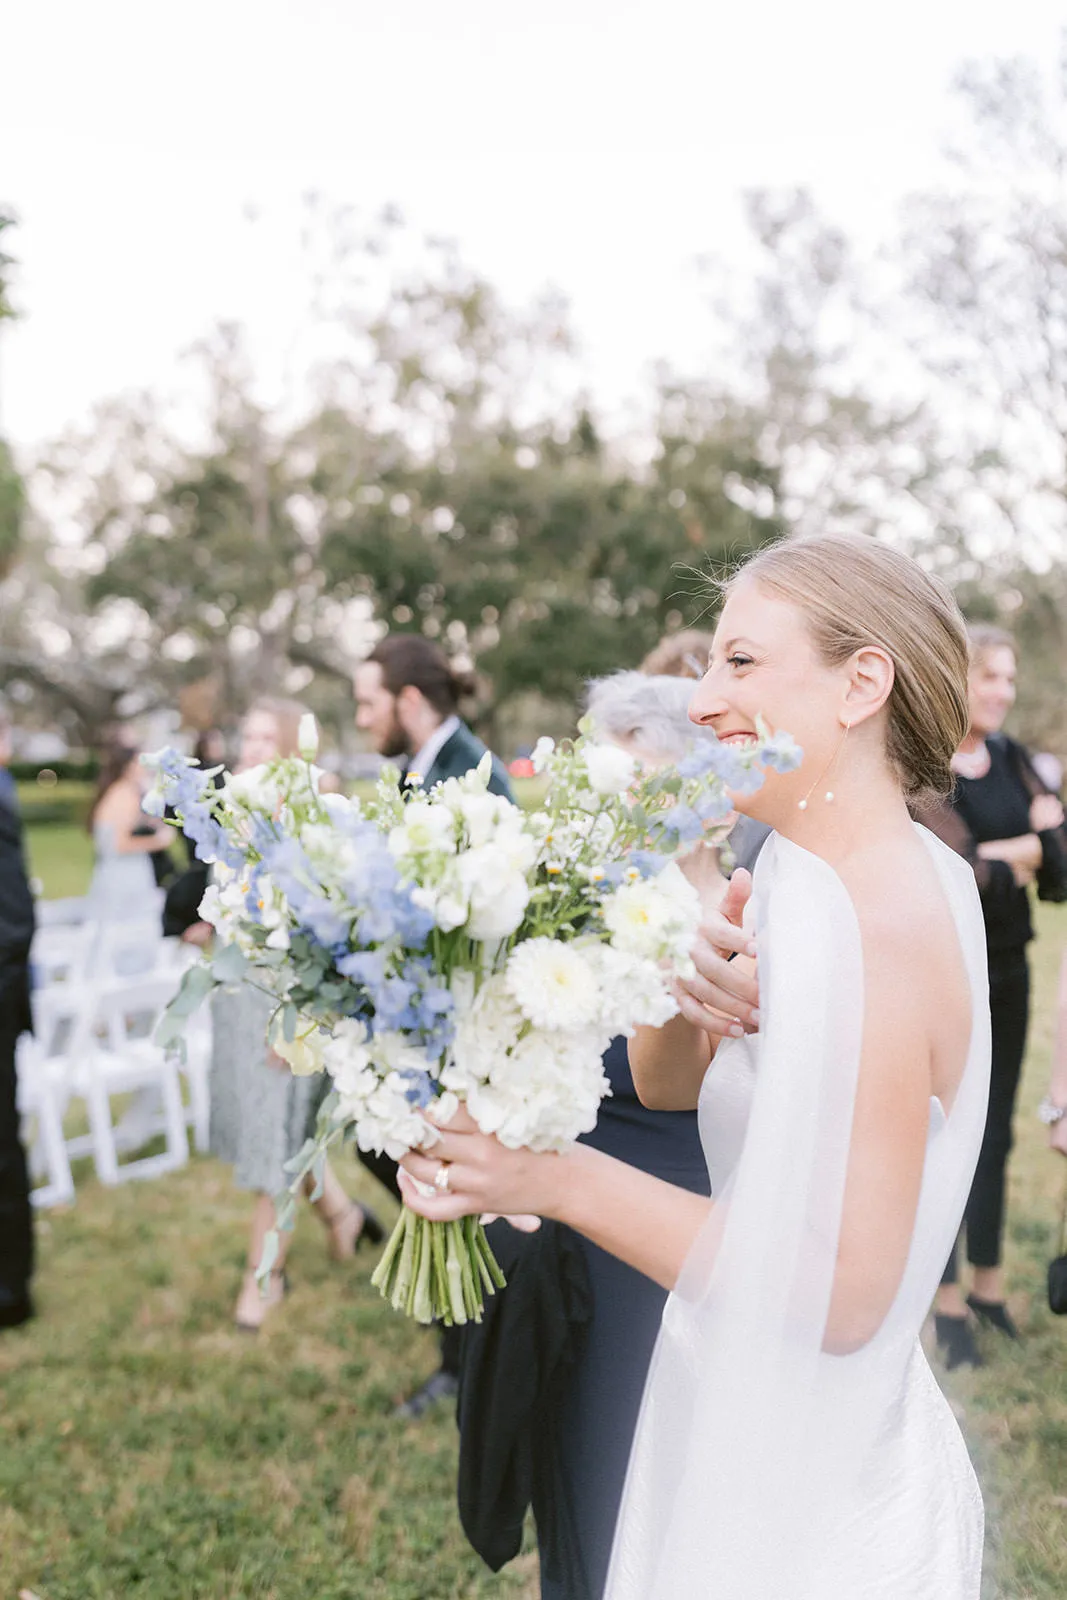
(229, 964)
(271, 1246)
(197, 983)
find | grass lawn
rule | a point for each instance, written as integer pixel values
(149, 1450)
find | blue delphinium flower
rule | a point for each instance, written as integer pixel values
(712, 806)
(684, 823)
(422, 1088)
(364, 967)
(781, 752)
(190, 790)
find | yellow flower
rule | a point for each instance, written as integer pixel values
(303, 1055)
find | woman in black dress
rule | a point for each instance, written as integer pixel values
(1007, 824)
(552, 1380)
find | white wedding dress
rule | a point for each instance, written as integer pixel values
(764, 1468)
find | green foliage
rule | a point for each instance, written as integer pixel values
(12, 508)
(557, 564)
(7, 221)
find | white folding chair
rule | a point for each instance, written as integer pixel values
(39, 1100)
(61, 954)
(94, 1055)
(130, 1015)
(61, 913)
(125, 950)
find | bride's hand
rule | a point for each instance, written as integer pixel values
(724, 992)
(483, 1175)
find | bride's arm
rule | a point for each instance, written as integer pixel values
(649, 1224)
(652, 1225)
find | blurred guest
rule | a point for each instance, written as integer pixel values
(407, 699)
(16, 934)
(259, 1110)
(1049, 769)
(1003, 820)
(680, 655)
(553, 1377)
(1053, 1108)
(123, 884)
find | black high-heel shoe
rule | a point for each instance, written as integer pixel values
(373, 1229)
(956, 1342)
(994, 1314)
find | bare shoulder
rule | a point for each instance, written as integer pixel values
(120, 804)
(917, 994)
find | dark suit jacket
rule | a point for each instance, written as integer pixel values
(16, 919)
(458, 755)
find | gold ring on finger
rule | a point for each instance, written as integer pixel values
(440, 1177)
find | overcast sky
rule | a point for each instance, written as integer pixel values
(596, 145)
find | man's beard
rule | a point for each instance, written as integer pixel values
(395, 742)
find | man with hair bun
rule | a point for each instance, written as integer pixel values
(407, 699)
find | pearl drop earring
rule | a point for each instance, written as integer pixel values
(802, 805)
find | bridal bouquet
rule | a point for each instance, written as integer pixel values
(428, 949)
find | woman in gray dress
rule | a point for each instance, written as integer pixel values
(123, 886)
(259, 1110)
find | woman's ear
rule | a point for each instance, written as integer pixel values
(871, 677)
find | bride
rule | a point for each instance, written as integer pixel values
(793, 1444)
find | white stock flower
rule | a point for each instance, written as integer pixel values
(427, 829)
(445, 904)
(542, 750)
(611, 770)
(255, 790)
(487, 1025)
(655, 917)
(307, 736)
(545, 1093)
(480, 813)
(347, 1055)
(341, 807)
(498, 893)
(554, 984)
(633, 991)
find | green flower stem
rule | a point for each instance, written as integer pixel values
(424, 1295)
(437, 1271)
(456, 1299)
(406, 1266)
(384, 1270)
(440, 1280)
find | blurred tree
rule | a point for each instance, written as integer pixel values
(426, 491)
(12, 494)
(540, 555)
(850, 451)
(986, 276)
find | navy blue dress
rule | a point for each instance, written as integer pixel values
(597, 1412)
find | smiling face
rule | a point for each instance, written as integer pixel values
(764, 665)
(991, 689)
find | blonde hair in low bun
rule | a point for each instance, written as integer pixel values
(856, 592)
